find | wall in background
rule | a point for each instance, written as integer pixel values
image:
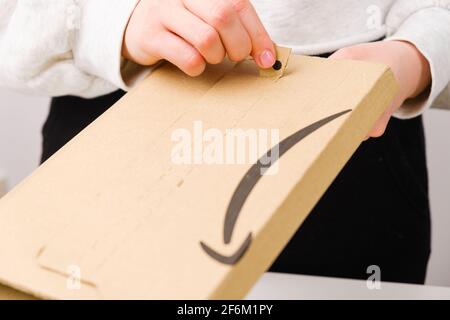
(437, 124)
(21, 119)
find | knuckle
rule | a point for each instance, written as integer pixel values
(195, 64)
(149, 40)
(149, 46)
(241, 54)
(208, 39)
(261, 36)
(236, 57)
(221, 15)
(240, 5)
(217, 58)
(260, 40)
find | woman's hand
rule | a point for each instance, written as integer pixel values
(191, 33)
(409, 66)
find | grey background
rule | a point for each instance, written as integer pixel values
(21, 119)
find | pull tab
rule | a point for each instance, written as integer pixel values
(277, 70)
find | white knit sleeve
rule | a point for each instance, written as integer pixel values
(63, 47)
(426, 24)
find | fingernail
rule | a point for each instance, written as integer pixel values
(267, 59)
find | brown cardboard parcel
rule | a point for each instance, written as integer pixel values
(111, 216)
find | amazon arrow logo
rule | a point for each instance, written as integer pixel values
(249, 182)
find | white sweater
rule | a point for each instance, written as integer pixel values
(62, 47)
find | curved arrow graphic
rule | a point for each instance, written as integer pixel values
(248, 183)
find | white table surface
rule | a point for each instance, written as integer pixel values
(273, 286)
(277, 286)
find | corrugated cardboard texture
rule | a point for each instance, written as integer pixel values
(112, 208)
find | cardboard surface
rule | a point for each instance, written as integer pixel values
(7, 293)
(112, 210)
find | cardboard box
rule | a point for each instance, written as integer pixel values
(7, 293)
(114, 215)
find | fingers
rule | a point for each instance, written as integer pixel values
(263, 50)
(354, 53)
(190, 33)
(378, 130)
(174, 49)
(240, 29)
(380, 126)
(221, 15)
(196, 32)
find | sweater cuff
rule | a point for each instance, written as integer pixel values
(427, 30)
(99, 38)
